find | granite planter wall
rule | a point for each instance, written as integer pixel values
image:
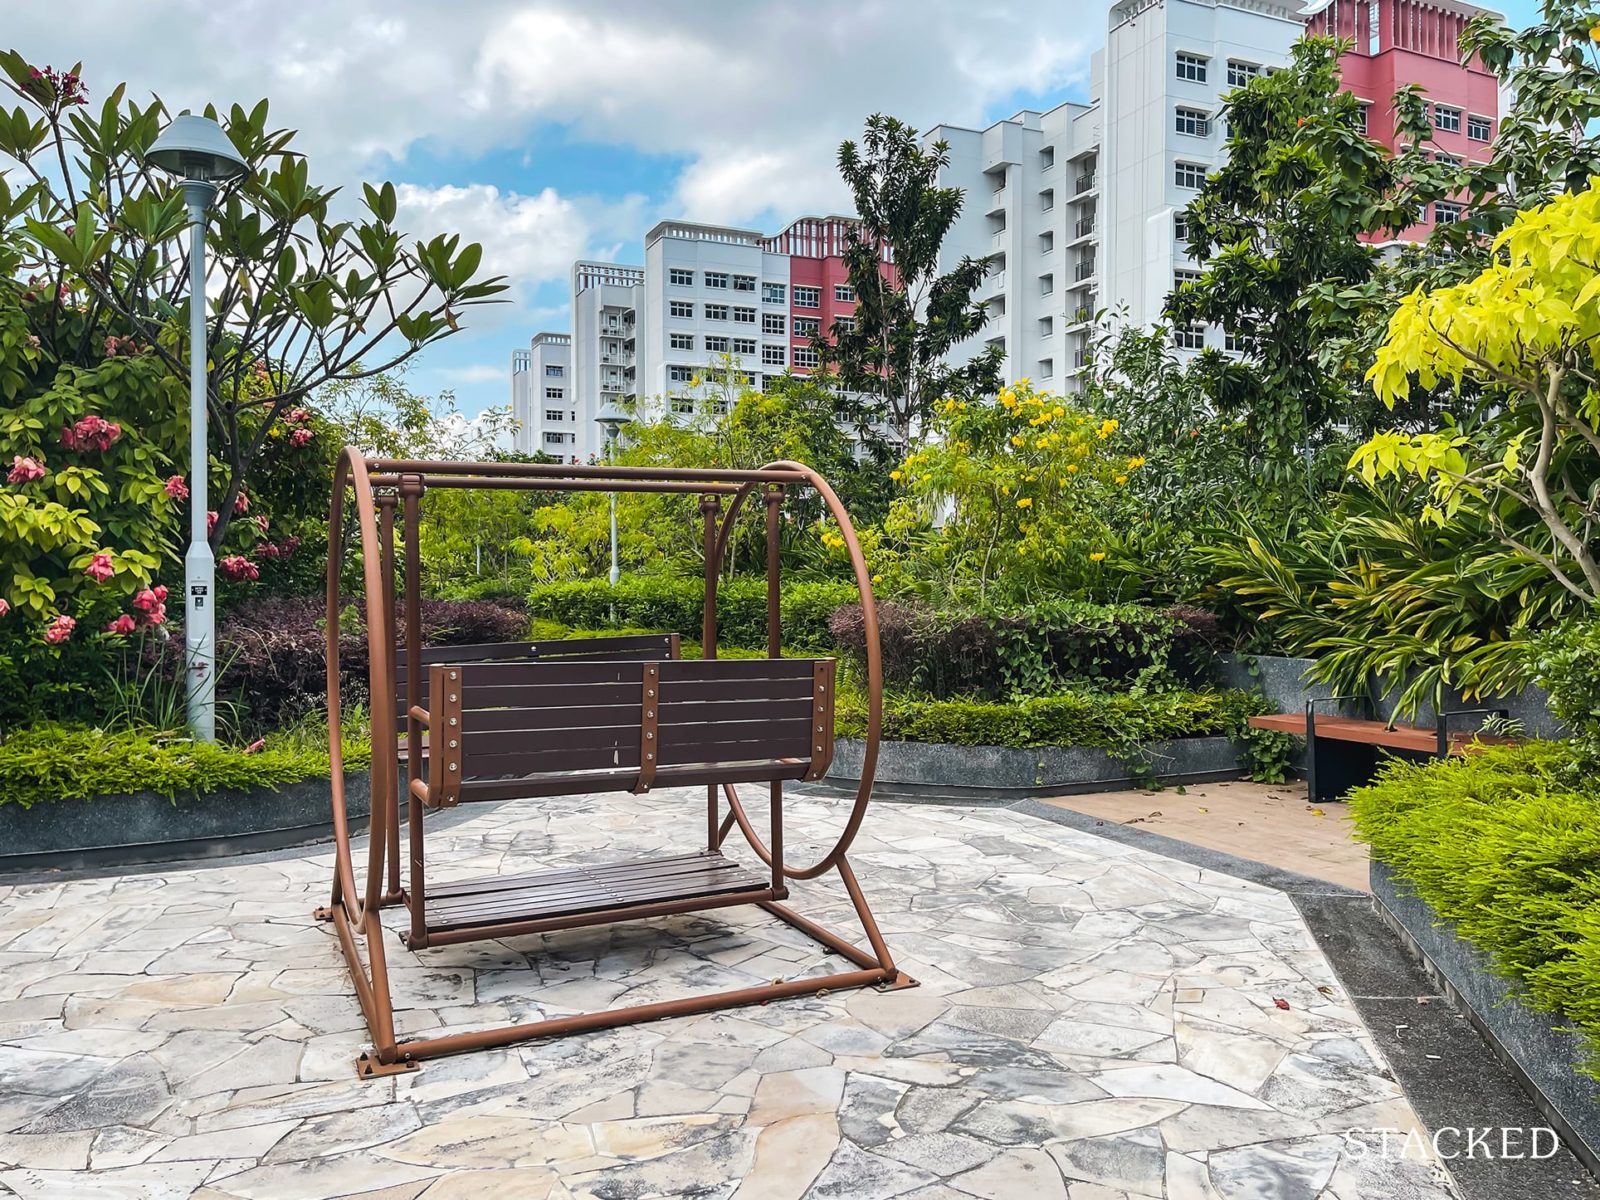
(1003, 775)
(1540, 1053)
(145, 827)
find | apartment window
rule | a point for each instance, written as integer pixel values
(554, 394)
(1374, 25)
(1191, 67)
(553, 414)
(807, 327)
(1422, 214)
(774, 293)
(845, 324)
(683, 407)
(1047, 199)
(1047, 158)
(716, 312)
(1233, 343)
(555, 371)
(1047, 326)
(844, 293)
(1189, 337)
(744, 283)
(1181, 277)
(1189, 175)
(807, 297)
(1446, 213)
(1194, 122)
(680, 374)
(556, 439)
(744, 345)
(680, 341)
(1449, 160)
(1047, 284)
(773, 356)
(716, 345)
(683, 308)
(805, 356)
(1180, 226)
(1446, 119)
(1363, 119)
(744, 316)
(681, 277)
(1479, 129)
(1241, 73)
(774, 323)
(1047, 368)
(717, 279)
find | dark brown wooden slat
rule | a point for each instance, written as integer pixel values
(715, 752)
(549, 762)
(716, 712)
(736, 668)
(517, 716)
(687, 690)
(485, 743)
(703, 880)
(533, 786)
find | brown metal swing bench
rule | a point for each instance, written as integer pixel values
(529, 719)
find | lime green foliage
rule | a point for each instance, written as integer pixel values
(1526, 328)
(60, 762)
(1566, 662)
(663, 603)
(1505, 846)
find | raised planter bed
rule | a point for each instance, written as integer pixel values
(1003, 775)
(1533, 1045)
(145, 827)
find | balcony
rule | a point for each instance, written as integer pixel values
(1085, 183)
(1085, 227)
(1085, 270)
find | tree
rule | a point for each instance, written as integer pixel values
(1279, 228)
(1527, 329)
(908, 316)
(300, 297)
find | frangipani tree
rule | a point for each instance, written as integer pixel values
(302, 294)
(1528, 329)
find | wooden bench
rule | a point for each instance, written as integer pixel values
(1344, 752)
(509, 729)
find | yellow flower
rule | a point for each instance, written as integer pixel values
(1008, 399)
(1072, 468)
(1122, 479)
(1019, 440)
(877, 579)
(1595, 33)
(1136, 462)
(1107, 427)
(894, 474)
(1005, 489)
(1025, 502)
(1098, 556)
(1058, 411)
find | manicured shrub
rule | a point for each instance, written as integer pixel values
(999, 653)
(49, 762)
(1506, 845)
(673, 604)
(1566, 662)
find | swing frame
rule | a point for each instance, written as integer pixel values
(387, 489)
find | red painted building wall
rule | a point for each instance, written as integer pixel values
(1400, 42)
(815, 246)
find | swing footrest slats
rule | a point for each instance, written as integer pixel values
(588, 895)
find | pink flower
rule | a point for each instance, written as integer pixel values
(296, 416)
(177, 488)
(25, 470)
(238, 567)
(91, 433)
(300, 437)
(5, 606)
(261, 522)
(256, 746)
(267, 550)
(100, 567)
(59, 630)
(156, 616)
(241, 503)
(122, 626)
(160, 593)
(145, 600)
(211, 523)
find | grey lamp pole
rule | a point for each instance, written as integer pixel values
(611, 418)
(197, 151)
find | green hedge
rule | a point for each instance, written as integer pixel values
(61, 762)
(1120, 723)
(1506, 845)
(672, 604)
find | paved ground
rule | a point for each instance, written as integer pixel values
(1096, 1023)
(1270, 823)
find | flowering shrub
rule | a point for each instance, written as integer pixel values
(1007, 496)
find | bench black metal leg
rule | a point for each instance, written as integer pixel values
(1334, 767)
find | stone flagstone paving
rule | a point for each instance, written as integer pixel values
(1095, 1022)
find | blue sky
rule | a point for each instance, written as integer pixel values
(556, 129)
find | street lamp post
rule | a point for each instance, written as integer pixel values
(611, 418)
(197, 151)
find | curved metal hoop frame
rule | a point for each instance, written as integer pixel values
(356, 903)
(869, 613)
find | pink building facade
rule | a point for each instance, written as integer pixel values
(1400, 42)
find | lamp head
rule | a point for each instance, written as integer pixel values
(613, 416)
(195, 148)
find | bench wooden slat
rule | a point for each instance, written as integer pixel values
(1377, 733)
